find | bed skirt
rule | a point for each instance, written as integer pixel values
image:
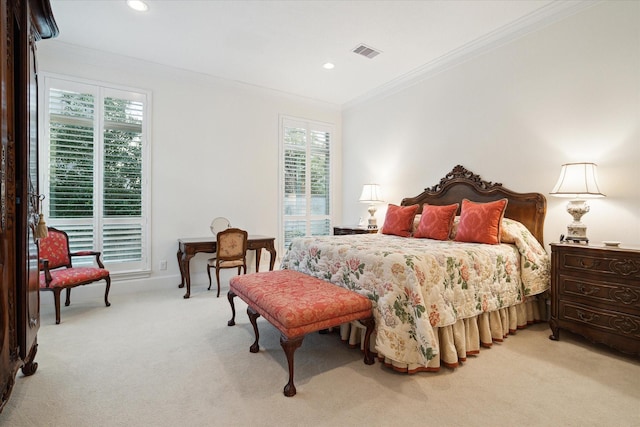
(463, 338)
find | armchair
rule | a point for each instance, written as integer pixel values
(58, 273)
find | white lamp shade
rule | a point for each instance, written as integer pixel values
(577, 181)
(371, 194)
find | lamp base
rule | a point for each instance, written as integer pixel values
(576, 239)
(577, 231)
(372, 223)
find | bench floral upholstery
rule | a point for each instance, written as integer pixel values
(298, 304)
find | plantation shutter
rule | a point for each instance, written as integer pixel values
(307, 180)
(71, 202)
(122, 180)
(71, 117)
(94, 162)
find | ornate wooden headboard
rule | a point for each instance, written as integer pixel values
(528, 208)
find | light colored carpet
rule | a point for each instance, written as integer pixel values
(155, 359)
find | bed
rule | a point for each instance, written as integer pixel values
(438, 300)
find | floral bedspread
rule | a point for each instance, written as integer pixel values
(417, 284)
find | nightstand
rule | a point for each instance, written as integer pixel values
(342, 230)
(595, 292)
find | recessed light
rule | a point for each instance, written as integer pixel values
(138, 5)
(328, 66)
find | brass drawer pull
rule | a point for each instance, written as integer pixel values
(587, 290)
(587, 318)
(591, 264)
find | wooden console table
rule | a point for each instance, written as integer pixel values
(188, 248)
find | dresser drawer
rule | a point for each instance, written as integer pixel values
(621, 296)
(600, 319)
(597, 263)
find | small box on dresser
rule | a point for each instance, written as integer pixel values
(595, 292)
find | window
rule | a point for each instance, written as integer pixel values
(306, 182)
(93, 166)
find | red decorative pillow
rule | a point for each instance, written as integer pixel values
(399, 220)
(480, 222)
(436, 221)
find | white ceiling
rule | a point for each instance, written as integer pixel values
(282, 45)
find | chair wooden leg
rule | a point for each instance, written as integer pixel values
(106, 292)
(56, 303)
(68, 299)
(209, 274)
(218, 280)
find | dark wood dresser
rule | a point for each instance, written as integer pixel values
(595, 292)
(342, 230)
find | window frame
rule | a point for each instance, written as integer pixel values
(310, 126)
(100, 90)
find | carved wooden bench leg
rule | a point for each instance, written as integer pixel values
(230, 296)
(370, 324)
(253, 316)
(258, 290)
(290, 345)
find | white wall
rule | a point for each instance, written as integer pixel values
(214, 148)
(568, 92)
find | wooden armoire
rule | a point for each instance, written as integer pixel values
(22, 24)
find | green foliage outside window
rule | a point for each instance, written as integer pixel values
(72, 157)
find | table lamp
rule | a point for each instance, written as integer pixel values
(578, 181)
(371, 194)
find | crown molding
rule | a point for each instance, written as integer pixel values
(540, 18)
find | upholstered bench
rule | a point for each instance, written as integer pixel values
(298, 304)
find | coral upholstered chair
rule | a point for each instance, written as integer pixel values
(231, 252)
(57, 272)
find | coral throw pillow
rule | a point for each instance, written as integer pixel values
(399, 220)
(480, 222)
(436, 221)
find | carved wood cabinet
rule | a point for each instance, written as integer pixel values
(595, 292)
(22, 24)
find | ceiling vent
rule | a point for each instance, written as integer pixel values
(366, 51)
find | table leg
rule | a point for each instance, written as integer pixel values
(272, 250)
(181, 284)
(186, 273)
(258, 255)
